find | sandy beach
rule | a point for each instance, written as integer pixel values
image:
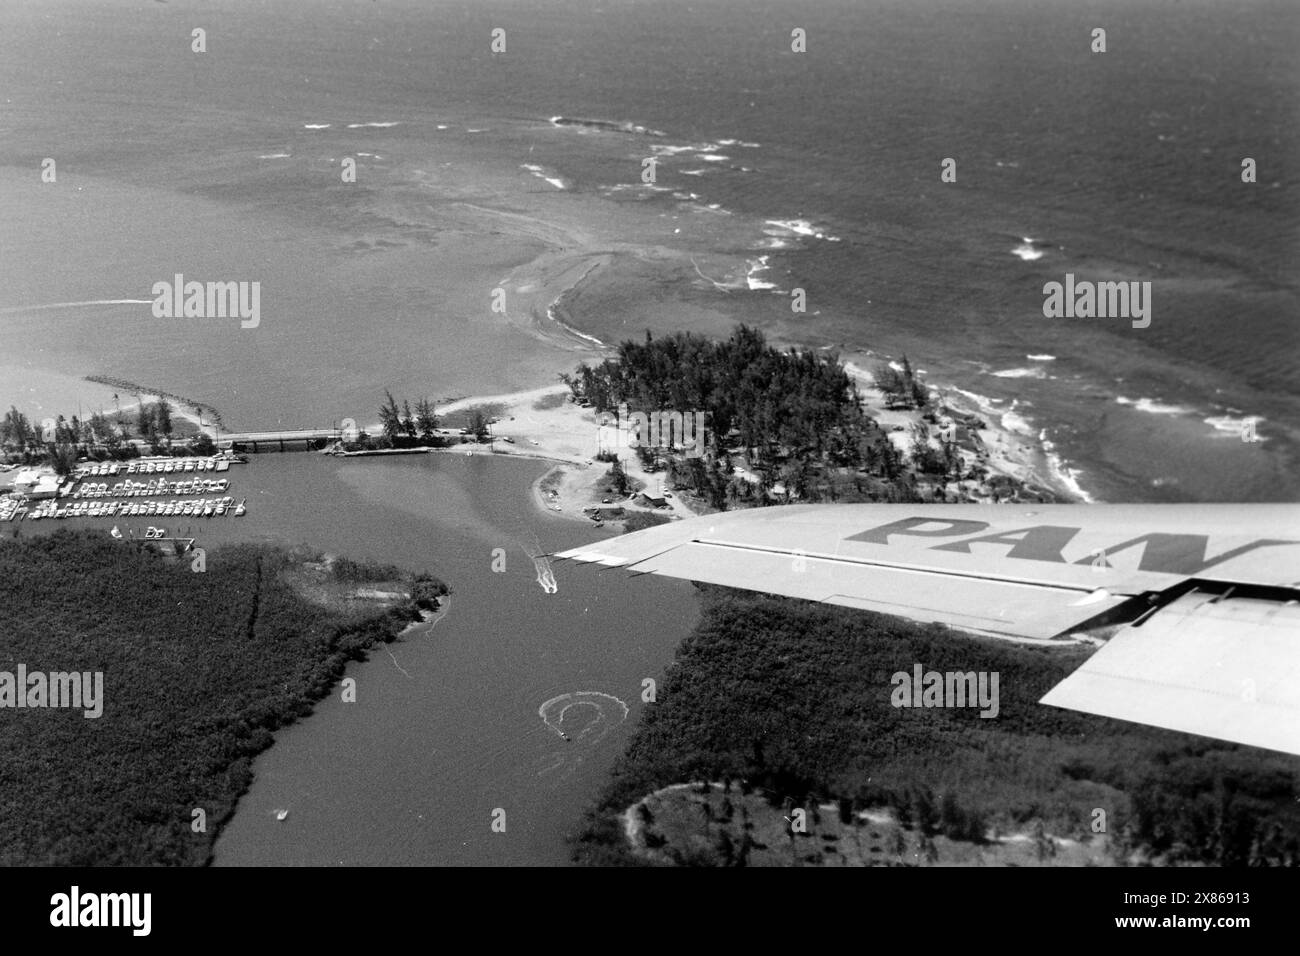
(542, 423)
(1008, 452)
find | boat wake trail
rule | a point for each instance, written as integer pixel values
(580, 718)
(545, 576)
(397, 665)
(542, 564)
(595, 714)
(73, 305)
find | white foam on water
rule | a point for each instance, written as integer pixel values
(1153, 407)
(1041, 358)
(1013, 421)
(983, 401)
(647, 187)
(316, 125)
(545, 576)
(540, 173)
(371, 125)
(1020, 373)
(756, 266)
(1235, 426)
(1027, 252)
(609, 713)
(550, 314)
(1060, 471)
(800, 227)
(1064, 475)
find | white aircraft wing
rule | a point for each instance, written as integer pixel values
(1206, 594)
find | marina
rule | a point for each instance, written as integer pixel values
(79, 496)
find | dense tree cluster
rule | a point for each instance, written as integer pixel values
(794, 418)
(99, 436)
(199, 670)
(795, 697)
(402, 423)
(901, 387)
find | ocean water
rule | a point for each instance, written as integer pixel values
(1123, 165)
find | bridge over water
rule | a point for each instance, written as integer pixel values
(305, 437)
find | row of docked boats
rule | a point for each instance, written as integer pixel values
(151, 466)
(193, 508)
(153, 487)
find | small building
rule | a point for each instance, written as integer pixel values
(605, 512)
(36, 483)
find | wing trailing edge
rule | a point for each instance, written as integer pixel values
(1207, 596)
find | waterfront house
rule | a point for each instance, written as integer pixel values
(36, 483)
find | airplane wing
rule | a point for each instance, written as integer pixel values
(1206, 597)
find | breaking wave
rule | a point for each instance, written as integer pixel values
(1152, 407)
(609, 125)
(799, 227)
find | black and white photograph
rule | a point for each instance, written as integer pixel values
(649, 434)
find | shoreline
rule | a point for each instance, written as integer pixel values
(537, 294)
(1009, 453)
(567, 435)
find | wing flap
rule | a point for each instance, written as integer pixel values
(1226, 668)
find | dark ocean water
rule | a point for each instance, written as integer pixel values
(1122, 165)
